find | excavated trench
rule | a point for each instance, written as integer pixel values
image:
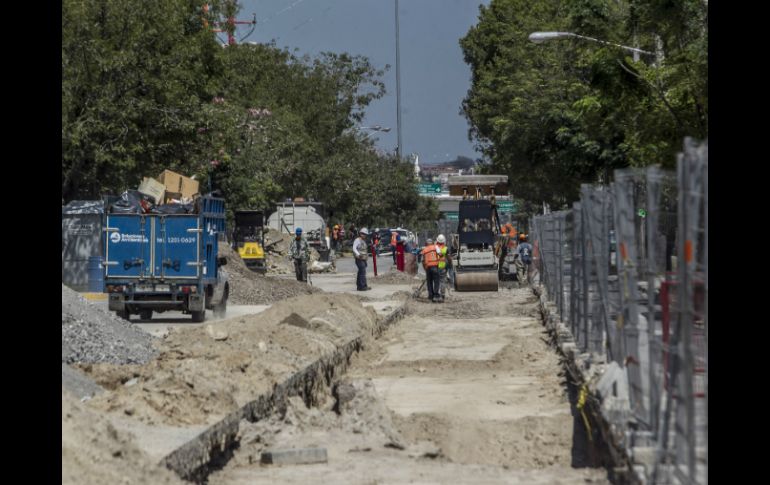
(214, 448)
(465, 391)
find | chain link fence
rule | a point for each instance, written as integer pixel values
(627, 269)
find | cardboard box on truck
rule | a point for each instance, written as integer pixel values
(178, 183)
(152, 189)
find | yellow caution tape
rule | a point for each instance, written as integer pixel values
(581, 405)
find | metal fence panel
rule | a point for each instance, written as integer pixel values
(627, 268)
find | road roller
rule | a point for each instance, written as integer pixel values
(476, 243)
(476, 265)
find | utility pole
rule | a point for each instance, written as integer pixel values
(400, 146)
(229, 25)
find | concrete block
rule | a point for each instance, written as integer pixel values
(569, 349)
(614, 382)
(643, 455)
(299, 456)
(640, 472)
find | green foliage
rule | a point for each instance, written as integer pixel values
(562, 113)
(146, 86)
(133, 78)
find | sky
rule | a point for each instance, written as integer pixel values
(434, 76)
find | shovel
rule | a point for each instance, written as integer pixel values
(418, 290)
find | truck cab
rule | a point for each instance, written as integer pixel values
(156, 262)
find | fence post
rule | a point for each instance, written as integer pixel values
(706, 296)
(577, 230)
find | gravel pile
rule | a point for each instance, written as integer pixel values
(395, 277)
(250, 288)
(92, 334)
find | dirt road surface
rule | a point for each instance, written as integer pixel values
(464, 392)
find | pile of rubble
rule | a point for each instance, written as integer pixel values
(395, 277)
(94, 452)
(171, 193)
(92, 334)
(203, 373)
(250, 288)
(277, 255)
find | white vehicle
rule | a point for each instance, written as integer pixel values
(308, 215)
(406, 235)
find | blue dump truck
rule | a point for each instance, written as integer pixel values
(166, 259)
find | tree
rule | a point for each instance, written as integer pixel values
(556, 115)
(146, 86)
(134, 76)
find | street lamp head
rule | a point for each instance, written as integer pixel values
(375, 128)
(540, 37)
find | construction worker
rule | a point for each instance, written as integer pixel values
(430, 259)
(443, 258)
(352, 232)
(299, 252)
(393, 243)
(523, 258)
(401, 253)
(359, 252)
(341, 240)
(376, 241)
(336, 237)
(509, 230)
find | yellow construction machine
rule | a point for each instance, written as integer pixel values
(478, 238)
(249, 239)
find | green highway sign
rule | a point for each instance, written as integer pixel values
(426, 189)
(451, 216)
(506, 206)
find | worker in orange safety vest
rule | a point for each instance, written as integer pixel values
(431, 257)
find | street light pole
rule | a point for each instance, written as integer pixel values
(540, 37)
(373, 129)
(399, 147)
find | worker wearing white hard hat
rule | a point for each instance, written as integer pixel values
(443, 255)
(360, 254)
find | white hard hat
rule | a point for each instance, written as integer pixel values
(364, 231)
(441, 239)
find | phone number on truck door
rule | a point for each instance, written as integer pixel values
(178, 240)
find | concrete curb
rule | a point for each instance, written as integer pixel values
(606, 411)
(211, 449)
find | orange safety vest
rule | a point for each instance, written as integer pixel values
(429, 256)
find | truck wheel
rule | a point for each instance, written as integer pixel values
(221, 309)
(145, 314)
(124, 314)
(198, 317)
